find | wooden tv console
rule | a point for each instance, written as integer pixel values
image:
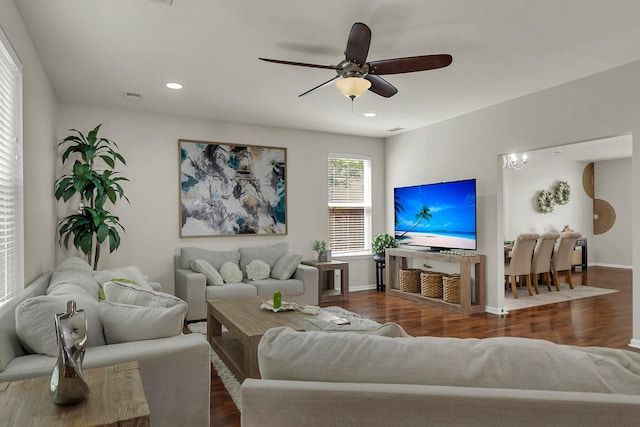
(471, 300)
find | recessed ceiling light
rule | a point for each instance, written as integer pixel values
(369, 114)
(174, 85)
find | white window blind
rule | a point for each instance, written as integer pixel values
(11, 257)
(349, 185)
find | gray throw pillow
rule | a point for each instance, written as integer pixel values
(286, 266)
(202, 266)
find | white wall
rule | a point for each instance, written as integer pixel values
(39, 117)
(543, 172)
(149, 143)
(598, 106)
(613, 248)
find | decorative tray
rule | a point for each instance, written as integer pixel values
(284, 306)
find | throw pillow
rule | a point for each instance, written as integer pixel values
(132, 272)
(286, 266)
(125, 293)
(202, 266)
(35, 324)
(388, 329)
(257, 270)
(80, 277)
(126, 322)
(231, 272)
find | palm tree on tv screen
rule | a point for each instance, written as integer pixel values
(424, 214)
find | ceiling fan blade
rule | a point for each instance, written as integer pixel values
(301, 64)
(358, 44)
(380, 86)
(409, 64)
(320, 86)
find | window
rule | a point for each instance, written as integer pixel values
(349, 181)
(11, 277)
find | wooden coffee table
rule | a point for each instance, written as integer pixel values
(246, 324)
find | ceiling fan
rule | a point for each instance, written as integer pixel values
(355, 75)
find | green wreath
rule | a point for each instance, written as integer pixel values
(562, 193)
(545, 201)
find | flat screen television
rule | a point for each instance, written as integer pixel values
(437, 216)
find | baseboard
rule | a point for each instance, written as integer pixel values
(599, 264)
(362, 288)
(634, 343)
(495, 310)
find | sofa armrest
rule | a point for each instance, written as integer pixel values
(175, 375)
(309, 276)
(191, 288)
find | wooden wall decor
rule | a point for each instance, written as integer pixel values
(604, 216)
(588, 180)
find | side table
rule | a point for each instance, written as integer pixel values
(326, 283)
(116, 399)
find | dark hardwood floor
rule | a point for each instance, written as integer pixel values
(599, 321)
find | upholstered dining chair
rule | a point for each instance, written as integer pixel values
(520, 263)
(541, 262)
(561, 258)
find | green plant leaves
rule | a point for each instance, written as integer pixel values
(94, 178)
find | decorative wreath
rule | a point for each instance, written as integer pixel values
(545, 201)
(562, 193)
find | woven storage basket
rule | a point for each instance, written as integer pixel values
(451, 288)
(410, 280)
(431, 284)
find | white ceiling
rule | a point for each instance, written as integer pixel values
(94, 50)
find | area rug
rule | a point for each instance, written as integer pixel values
(229, 380)
(546, 297)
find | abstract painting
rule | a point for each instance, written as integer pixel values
(228, 189)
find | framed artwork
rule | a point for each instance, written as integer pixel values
(228, 189)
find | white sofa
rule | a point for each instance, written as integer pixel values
(322, 379)
(193, 288)
(175, 370)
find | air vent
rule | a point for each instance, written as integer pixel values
(132, 95)
(396, 129)
(167, 2)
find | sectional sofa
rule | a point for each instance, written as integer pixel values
(317, 378)
(175, 368)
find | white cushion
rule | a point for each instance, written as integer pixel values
(231, 272)
(79, 277)
(286, 266)
(202, 266)
(35, 321)
(126, 322)
(125, 293)
(388, 329)
(132, 272)
(257, 270)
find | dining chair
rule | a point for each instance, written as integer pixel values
(541, 262)
(561, 258)
(520, 263)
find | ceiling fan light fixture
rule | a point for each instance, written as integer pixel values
(353, 87)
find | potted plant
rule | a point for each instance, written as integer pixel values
(381, 242)
(324, 254)
(93, 177)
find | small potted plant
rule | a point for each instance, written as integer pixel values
(324, 254)
(381, 242)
